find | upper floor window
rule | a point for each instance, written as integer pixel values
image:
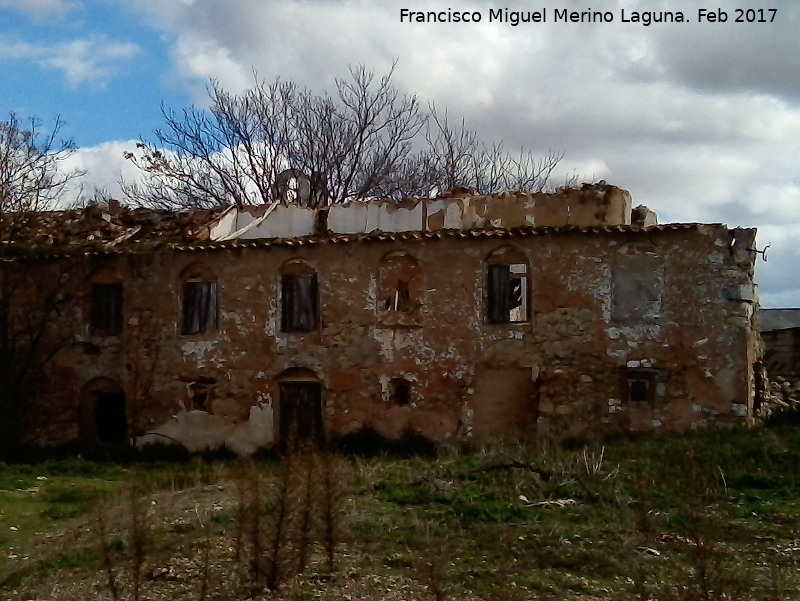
(299, 297)
(105, 303)
(507, 287)
(399, 298)
(637, 283)
(200, 302)
(400, 287)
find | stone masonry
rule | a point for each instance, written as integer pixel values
(464, 319)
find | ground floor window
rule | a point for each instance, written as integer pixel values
(400, 392)
(639, 384)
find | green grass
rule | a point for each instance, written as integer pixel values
(50, 498)
(734, 490)
(705, 515)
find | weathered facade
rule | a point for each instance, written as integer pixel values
(465, 319)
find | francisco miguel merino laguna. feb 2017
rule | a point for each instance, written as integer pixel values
(563, 15)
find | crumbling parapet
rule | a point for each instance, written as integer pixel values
(589, 205)
(643, 217)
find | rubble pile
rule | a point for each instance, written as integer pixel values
(99, 226)
(781, 394)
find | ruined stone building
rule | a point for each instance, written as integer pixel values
(780, 329)
(465, 319)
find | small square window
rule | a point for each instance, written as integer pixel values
(400, 392)
(639, 384)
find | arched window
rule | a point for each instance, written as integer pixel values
(300, 408)
(105, 303)
(299, 297)
(637, 284)
(400, 288)
(199, 300)
(507, 286)
(104, 415)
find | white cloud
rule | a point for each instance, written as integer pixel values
(104, 166)
(41, 10)
(700, 121)
(777, 278)
(203, 60)
(89, 61)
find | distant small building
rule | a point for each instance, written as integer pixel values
(469, 319)
(780, 330)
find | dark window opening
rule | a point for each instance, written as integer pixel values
(301, 413)
(400, 299)
(507, 293)
(200, 394)
(639, 384)
(299, 302)
(106, 310)
(199, 307)
(639, 390)
(400, 392)
(111, 418)
(401, 285)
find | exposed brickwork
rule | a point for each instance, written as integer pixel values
(415, 306)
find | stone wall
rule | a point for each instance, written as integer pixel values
(403, 342)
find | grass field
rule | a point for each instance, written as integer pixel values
(707, 515)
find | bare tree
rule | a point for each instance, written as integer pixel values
(455, 156)
(32, 172)
(281, 143)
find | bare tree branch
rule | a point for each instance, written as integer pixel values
(32, 173)
(280, 143)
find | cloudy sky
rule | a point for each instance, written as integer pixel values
(699, 120)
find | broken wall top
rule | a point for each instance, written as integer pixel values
(112, 228)
(460, 209)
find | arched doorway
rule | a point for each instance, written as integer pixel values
(300, 408)
(104, 415)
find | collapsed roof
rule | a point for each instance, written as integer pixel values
(113, 228)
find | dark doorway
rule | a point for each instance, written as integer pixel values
(301, 413)
(111, 417)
